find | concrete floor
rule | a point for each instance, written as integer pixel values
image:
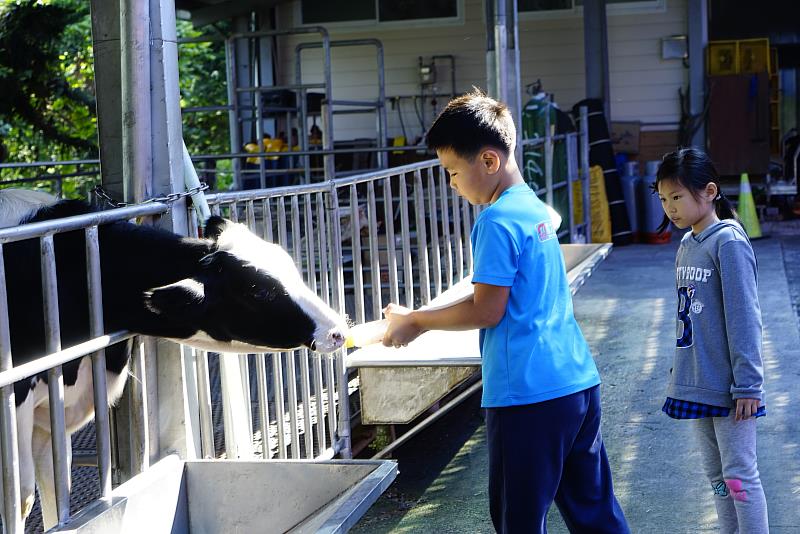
(626, 311)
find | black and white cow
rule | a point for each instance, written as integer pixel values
(228, 292)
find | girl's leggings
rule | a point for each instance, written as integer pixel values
(728, 448)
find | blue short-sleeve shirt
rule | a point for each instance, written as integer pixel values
(537, 352)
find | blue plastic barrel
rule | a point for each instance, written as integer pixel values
(630, 183)
(652, 212)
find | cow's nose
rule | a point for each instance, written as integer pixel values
(337, 338)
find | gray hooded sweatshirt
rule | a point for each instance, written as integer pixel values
(718, 354)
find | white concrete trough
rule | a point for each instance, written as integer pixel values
(399, 385)
(239, 496)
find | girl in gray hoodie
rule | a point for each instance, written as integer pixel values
(717, 376)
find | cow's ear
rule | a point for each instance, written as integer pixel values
(215, 225)
(179, 301)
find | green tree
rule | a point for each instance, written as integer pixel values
(46, 77)
(47, 93)
(203, 83)
(47, 107)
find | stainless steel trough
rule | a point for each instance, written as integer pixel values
(398, 385)
(239, 496)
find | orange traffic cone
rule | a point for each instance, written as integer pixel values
(747, 209)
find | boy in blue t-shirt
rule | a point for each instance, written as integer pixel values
(540, 384)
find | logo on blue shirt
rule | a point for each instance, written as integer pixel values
(545, 231)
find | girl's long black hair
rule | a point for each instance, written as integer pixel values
(693, 169)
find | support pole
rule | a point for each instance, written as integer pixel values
(595, 43)
(698, 40)
(142, 156)
(108, 68)
(502, 60)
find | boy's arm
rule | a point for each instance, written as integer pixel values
(484, 309)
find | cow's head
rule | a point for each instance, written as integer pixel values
(248, 297)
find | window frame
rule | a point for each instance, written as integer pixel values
(357, 25)
(627, 8)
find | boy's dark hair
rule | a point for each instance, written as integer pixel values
(693, 169)
(469, 123)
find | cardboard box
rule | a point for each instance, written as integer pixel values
(625, 137)
(654, 144)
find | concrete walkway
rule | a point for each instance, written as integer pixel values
(626, 311)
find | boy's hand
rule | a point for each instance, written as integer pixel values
(402, 328)
(746, 408)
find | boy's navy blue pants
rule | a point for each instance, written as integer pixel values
(551, 451)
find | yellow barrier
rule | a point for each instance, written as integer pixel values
(598, 204)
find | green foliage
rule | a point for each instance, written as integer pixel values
(47, 103)
(202, 83)
(47, 109)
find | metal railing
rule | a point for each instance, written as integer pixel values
(357, 241)
(52, 363)
(82, 174)
(398, 235)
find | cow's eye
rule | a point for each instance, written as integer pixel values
(261, 294)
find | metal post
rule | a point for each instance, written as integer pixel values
(572, 156)
(280, 409)
(391, 252)
(132, 422)
(355, 242)
(595, 45)
(305, 395)
(548, 152)
(262, 179)
(405, 235)
(467, 226)
(340, 371)
(263, 404)
(302, 135)
(422, 239)
(698, 39)
(383, 124)
(455, 202)
(55, 380)
(235, 408)
(516, 80)
(234, 128)
(328, 163)
(170, 372)
(448, 243)
(497, 55)
(204, 403)
(291, 386)
(375, 267)
(327, 108)
(108, 69)
(12, 514)
(586, 178)
(136, 93)
(434, 226)
(102, 426)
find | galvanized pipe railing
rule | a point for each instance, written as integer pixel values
(55, 380)
(425, 234)
(52, 362)
(321, 226)
(12, 513)
(434, 226)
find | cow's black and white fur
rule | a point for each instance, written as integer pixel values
(229, 292)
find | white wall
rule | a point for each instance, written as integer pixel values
(643, 86)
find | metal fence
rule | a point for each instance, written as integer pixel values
(57, 357)
(398, 235)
